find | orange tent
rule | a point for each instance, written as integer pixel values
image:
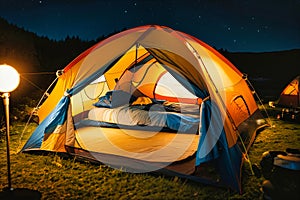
(290, 96)
(152, 99)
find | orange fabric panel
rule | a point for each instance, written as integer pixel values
(146, 83)
(292, 88)
(222, 73)
(240, 102)
(227, 73)
(54, 142)
(212, 50)
(132, 57)
(147, 89)
(65, 81)
(231, 134)
(144, 78)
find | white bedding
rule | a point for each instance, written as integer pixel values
(132, 116)
(127, 116)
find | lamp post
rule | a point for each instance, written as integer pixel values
(9, 81)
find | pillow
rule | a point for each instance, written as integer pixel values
(104, 101)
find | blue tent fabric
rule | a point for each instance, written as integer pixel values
(182, 123)
(35, 140)
(209, 144)
(213, 145)
(57, 117)
(229, 164)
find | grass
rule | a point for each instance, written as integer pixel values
(57, 177)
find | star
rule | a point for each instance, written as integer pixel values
(34, 14)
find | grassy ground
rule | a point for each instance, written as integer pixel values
(56, 177)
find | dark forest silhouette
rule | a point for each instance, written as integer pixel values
(38, 58)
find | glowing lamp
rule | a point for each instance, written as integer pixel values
(9, 81)
(9, 78)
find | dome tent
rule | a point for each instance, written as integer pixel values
(98, 109)
(290, 95)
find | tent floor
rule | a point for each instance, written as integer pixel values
(146, 146)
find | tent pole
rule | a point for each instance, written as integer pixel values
(135, 63)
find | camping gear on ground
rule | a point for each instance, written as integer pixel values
(289, 114)
(152, 99)
(281, 169)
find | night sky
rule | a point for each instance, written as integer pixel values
(235, 25)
